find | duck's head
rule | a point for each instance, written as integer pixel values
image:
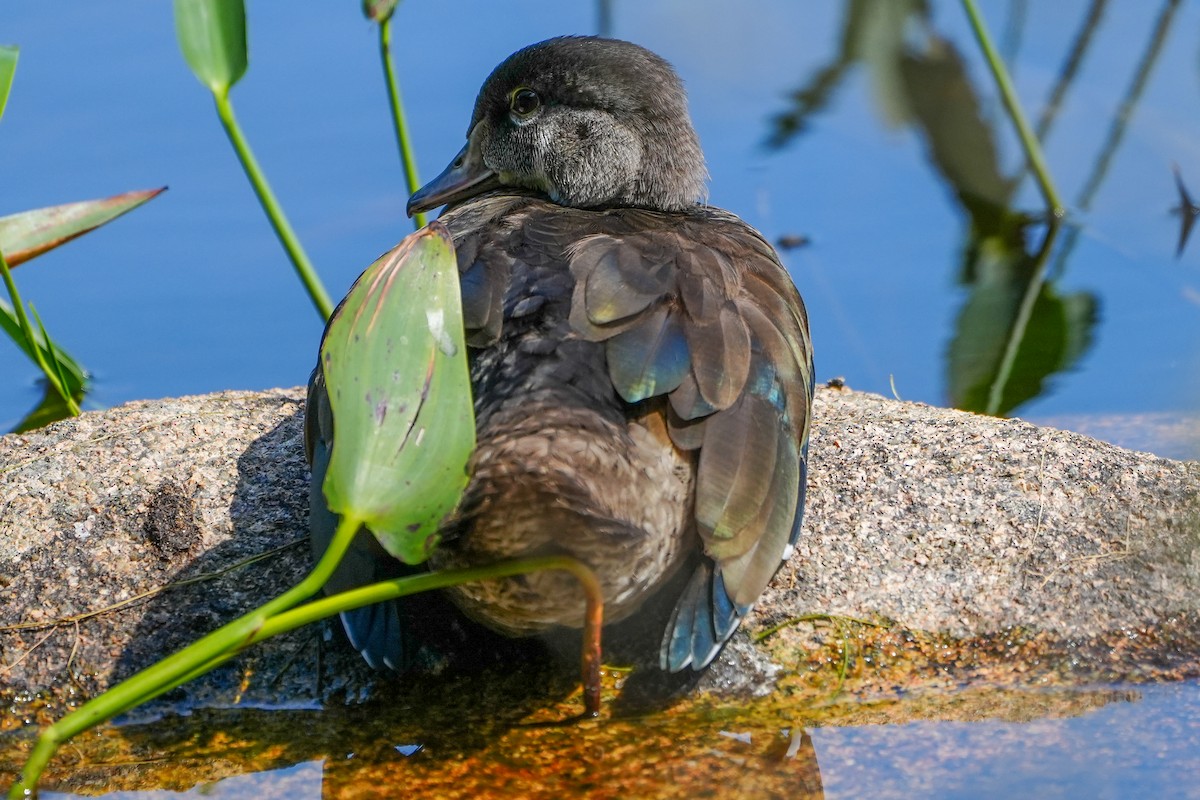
(589, 122)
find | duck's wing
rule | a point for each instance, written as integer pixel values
(700, 309)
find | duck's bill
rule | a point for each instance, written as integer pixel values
(466, 177)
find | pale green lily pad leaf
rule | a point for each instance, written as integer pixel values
(212, 36)
(31, 233)
(395, 368)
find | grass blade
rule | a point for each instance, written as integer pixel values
(59, 379)
(76, 375)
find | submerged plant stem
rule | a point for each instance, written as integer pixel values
(787, 623)
(283, 229)
(398, 118)
(1033, 149)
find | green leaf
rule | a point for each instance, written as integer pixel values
(8, 67)
(55, 372)
(31, 233)
(395, 368)
(212, 36)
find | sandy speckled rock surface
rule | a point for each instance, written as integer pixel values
(921, 518)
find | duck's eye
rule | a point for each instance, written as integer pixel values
(524, 102)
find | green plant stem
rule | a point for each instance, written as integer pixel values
(1033, 149)
(184, 665)
(283, 229)
(325, 607)
(397, 106)
(33, 348)
(399, 587)
(281, 615)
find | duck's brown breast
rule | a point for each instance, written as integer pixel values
(567, 481)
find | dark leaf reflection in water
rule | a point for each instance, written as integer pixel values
(1015, 329)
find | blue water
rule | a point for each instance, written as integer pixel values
(1146, 747)
(192, 293)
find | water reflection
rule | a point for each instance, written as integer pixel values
(1015, 329)
(1187, 211)
(992, 741)
(300, 782)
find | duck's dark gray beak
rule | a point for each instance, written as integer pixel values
(466, 177)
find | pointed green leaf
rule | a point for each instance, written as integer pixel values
(395, 368)
(31, 233)
(54, 364)
(8, 67)
(212, 36)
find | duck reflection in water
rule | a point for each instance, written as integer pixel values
(640, 362)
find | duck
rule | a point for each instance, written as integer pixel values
(640, 364)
